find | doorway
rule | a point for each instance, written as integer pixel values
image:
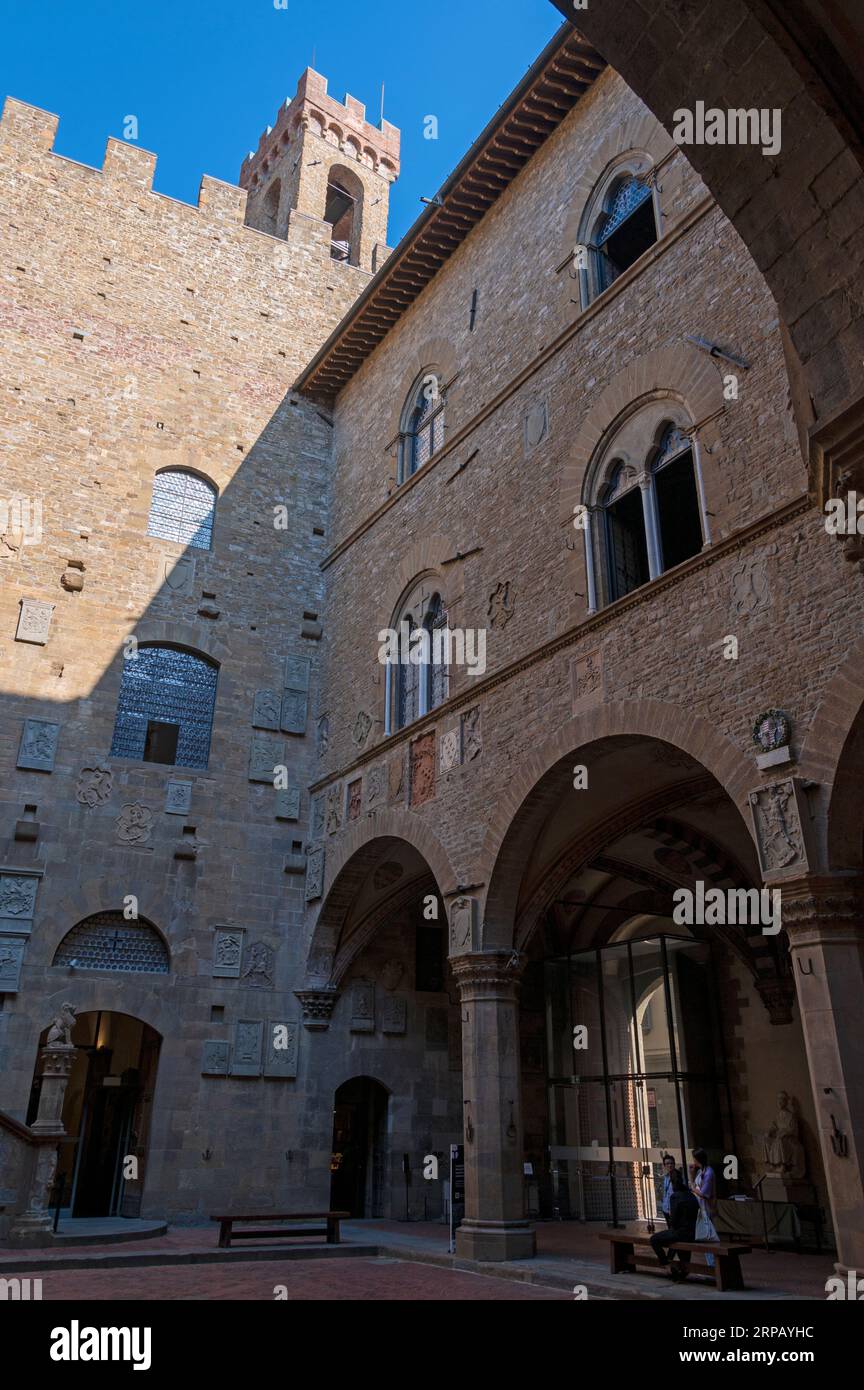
(107, 1115)
(359, 1154)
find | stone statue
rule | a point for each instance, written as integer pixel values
(60, 1032)
(781, 1147)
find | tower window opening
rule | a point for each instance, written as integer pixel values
(339, 212)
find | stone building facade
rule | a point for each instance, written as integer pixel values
(562, 419)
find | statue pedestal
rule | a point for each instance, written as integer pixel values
(773, 1188)
(56, 1062)
(776, 1188)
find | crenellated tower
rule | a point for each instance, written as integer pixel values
(323, 160)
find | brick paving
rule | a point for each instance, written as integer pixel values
(333, 1280)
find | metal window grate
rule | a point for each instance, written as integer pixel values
(107, 941)
(170, 686)
(628, 196)
(182, 509)
(427, 431)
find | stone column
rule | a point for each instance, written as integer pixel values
(824, 921)
(494, 1227)
(34, 1226)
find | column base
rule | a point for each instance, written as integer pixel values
(496, 1240)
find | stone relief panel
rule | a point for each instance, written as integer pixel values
(95, 785)
(501, 605)
(177, 573)
(11, 959)
(38, 746)
(376, 785)
(322, 735)
(391, 973)
(296, 673)
(536, 426)
(288, 804)
(265, 711)
(362, 1007)
(396, 778)
(449, 750)
(215, 1056)
(586, 676)
(134, 824)
(178, 798)
(318, 812)
(34, 621)
(334, 808)
(361, 728)
(314, 873)
(227, 952)
(355, 798)
(294, 711)
(248, 1036)
(258, 970)
(265, 754)
(17, 901)
(751, 584)
(463, 926)
(282, 1041)
(472, 743)
(394, 1016)
(422, 758)
(778, 812)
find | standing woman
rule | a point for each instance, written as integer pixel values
(704, 1187)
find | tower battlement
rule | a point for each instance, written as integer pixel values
(341, 124)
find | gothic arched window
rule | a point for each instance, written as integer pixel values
(107, 941)
(416, 686)
(625, 228)
(182, 508)
(165, 708)
(652, 516)
(423, 425)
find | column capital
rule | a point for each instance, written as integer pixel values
(488, 974)
(317, 1006)
(821, 905)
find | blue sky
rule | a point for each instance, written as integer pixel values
(205, 77)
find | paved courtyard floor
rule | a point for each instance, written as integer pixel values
(382, 1260)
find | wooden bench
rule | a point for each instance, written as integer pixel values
(625, 1255)
(227, 1224)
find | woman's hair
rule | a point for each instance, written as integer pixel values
(678, 1183)
(700, 1156)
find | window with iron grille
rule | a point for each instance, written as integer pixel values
(627, 227)
(163, 690)
(182, 508)
(107, 941)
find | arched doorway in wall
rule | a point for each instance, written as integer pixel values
(107, 1112)
(358, 1163)
(688, 1024)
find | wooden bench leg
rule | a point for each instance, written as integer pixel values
(224, 1234)
(620, 1256)
(333, 1237)
(727, 1272)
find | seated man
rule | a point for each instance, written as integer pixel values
(683, 1215)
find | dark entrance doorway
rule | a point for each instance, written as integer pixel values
(106, 1114)
(358, 1161)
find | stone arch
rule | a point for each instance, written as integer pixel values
(356, 853)
(346, 228)
(93, 896)
(833, 755)
(526, 801)
(172, 633)
(270, 208)
(425, 556)
(679, 372)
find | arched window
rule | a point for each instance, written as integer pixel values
(182, 508)
(165, 709)
(270, 213)
(422, 425)
(417, 680)
(107, 941)
(651, 516)
(625, 228)
(343, 210)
